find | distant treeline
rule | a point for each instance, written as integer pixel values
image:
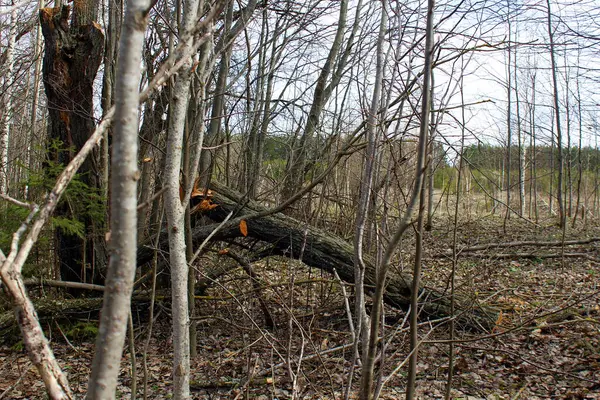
(490, 157)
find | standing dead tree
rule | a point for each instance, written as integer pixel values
(74, 45)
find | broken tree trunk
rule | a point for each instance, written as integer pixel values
(319, 249)
(73, 53)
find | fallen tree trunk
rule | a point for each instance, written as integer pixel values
(318, 249)
(74, 309)
(62, 284)
(526, 243)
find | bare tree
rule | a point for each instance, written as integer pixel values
(175, 210)
(124, 179)
(366, 188)
(369, 361)
(329, 77)
(7, 113)
(557, 116)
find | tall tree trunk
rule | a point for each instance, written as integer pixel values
(7, 101)
(432, 163)
(108, 84)
(366, 187)
(175, 211)
(552, 164)
(329, 78)
(579, 161)
(73, 53)
(508, 165)
(559, 155)
(520, 138)
(568, 158)
(533, 151)
(124, 176)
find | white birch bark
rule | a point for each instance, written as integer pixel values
(124, 177)
(37, 77)
(7, 116)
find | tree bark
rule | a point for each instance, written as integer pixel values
(322, 250)
(73, 53)
(7, 102)
(175, 211)
(124, 177)
(559, 154)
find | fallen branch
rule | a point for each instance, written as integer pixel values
(587, 256)
(530, 243)
(63, 284)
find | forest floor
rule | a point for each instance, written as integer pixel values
(546, 343)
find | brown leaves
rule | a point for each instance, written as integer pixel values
(244, 227)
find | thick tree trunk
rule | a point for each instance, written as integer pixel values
(73, 53)
(322, 250)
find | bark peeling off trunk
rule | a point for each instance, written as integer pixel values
(73, 53)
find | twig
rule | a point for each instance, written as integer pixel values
(62, 284)
(154, 197)
(12, 387)
(10, 10)
(519, 357)
(66, 338)
(214, 232)
(17, 202)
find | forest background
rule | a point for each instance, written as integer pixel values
(300, 199)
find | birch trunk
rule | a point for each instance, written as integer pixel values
(520, 138)
(508, 121)
(7, 115)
